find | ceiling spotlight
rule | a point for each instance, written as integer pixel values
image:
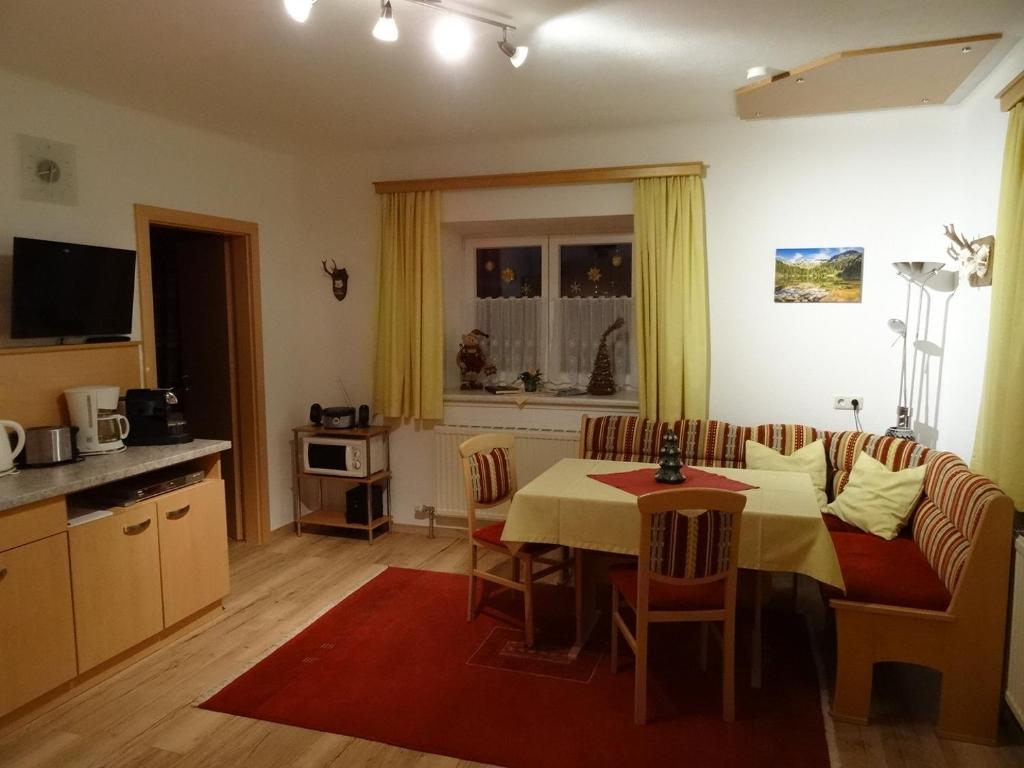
(516, 53)
(385, 29)
(753, 73)
(452, 38)
(966, 49)
(299, 9)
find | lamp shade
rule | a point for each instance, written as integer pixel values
(299, 9)
(385, 29)
(917, 271)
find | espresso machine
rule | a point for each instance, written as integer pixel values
(156, 417)
(101, 429)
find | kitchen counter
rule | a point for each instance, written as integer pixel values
(31, 485)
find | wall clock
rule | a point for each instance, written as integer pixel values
(47, 170)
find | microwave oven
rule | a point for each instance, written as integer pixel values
(342, 456)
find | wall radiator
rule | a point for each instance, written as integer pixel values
(536, 450)
(1015, 668)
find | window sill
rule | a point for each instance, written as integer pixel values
(625, 399)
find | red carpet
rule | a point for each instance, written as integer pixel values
(397, 662)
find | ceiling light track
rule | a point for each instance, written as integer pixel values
(452, 42)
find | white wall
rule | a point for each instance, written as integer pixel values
(887, 181)
(126, 157)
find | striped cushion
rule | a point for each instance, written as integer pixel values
(948, 518)
(627, 438)
(721, 444)
(784, 438)
(701, 443)
(843, 448)
(690, 547)
(490, 475)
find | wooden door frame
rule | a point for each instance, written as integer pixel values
(243, 238)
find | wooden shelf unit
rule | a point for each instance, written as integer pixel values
(337, 517)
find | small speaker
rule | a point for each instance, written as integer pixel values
(364, 504)
(316, 414)
(364, 416)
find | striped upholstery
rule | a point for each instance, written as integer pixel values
(943, 525)
(843, 448)
(701, 443)
(627, 438)
(721, 444)
(690, 547)
(490, 475)
(784, 438)
(948, 517)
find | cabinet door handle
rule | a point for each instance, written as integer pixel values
(135, 530)
(177, 514)
(3, 573)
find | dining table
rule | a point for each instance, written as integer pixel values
(781, 531)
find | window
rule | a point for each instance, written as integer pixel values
(544, 302)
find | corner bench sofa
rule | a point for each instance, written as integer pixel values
(935, 596)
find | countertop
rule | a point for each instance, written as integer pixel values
(31, 485)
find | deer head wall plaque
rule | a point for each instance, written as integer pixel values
(339, 279)
(974, 257)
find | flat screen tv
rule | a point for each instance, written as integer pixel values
(66, 289)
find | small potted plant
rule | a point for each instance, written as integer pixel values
(531, 379)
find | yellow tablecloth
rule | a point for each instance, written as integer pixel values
(782, 528)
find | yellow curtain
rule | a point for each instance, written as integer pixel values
(999, 443)
(409, 368)
(671, 297)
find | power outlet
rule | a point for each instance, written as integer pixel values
(846, 403)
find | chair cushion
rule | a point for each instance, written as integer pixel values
(887, 572)
(491, 534)
(490, 475)
(668, 597)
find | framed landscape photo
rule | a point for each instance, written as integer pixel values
(818, 275)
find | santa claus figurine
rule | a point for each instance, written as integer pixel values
(474, 366)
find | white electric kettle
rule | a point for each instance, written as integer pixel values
(7, 456)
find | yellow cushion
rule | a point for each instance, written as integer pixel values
(809, 459)
(878, 500)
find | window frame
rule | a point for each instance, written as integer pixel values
(551, 292)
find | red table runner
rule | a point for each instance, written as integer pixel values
(641, 481)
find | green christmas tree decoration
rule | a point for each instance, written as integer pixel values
(670, 462)
(602, 378)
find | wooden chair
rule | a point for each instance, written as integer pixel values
(489, 472)
(686, 571)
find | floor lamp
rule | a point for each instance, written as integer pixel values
(915, 273)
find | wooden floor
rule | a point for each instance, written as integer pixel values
(144, 715)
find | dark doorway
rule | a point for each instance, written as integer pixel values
(194, 337)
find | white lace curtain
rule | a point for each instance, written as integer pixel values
(517, 329)
(581, 321)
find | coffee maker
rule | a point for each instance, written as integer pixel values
(101, 429)
(155, 417)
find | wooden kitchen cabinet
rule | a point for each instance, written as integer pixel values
(37, 633)
(115, 577)
(193, 549)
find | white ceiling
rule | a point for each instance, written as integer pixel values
(243, 67)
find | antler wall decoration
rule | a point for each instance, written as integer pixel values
(974, 257)
(339, 279)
